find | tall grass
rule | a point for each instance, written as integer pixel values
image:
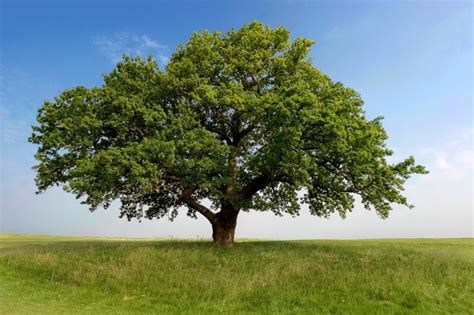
(361, 277)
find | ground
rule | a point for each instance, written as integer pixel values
(46, 274)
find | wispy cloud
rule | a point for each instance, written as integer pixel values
(453, 159)
(449, 159)
(11, 129)
(113, 47)
(18, 100)
(333, 31)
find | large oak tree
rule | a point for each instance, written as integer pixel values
(242, 119)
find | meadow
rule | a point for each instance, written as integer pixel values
(68, 275)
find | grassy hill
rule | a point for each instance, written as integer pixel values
(45, 274)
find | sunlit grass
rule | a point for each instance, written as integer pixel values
(41, 274)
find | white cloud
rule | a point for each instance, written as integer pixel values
(441, 163)
(113, 47)
(453, 159)
(151, 43)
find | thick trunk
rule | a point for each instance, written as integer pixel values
(223, 236)
(223, 223)
(223, 229)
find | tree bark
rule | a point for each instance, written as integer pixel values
(223, 236)
(223, 229)
(223, 223)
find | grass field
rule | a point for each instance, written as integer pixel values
(45, 274)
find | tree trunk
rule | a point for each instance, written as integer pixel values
(223, 236)
(223, 229)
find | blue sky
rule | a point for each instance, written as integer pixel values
(411, 62)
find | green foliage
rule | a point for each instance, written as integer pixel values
(52, 275)
(242, 118)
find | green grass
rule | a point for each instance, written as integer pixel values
(45, 274)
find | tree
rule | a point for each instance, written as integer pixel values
(242, 119)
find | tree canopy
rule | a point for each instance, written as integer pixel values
(243, 119)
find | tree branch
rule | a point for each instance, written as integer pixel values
(186, 197)
(255, 185)
(262, 181)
